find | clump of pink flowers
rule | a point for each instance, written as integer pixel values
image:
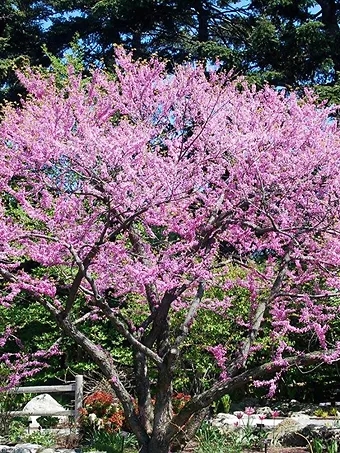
(249, 411)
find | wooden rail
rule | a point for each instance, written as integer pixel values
(77, 387)
(46, 389)
(43, 413)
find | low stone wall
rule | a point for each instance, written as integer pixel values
(35, 448)
(289, 431)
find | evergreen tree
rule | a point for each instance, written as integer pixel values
(296, 42)
(176, 29)
(21, 37)
(283, 42)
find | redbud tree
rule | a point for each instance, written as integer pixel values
(150, 189)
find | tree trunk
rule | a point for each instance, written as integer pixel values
(155, 448)
(329, 10)
(184, 436)
(203, 21)
(143, 391)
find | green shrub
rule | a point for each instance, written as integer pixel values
(48, 421)
(112, 442)
(44, 438)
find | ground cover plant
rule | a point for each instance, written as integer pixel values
(134, 198)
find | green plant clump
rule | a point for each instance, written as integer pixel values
(212, 440)
(320, 413)
(320, 446)
(114, 442)
(47, 422)
(44, 438)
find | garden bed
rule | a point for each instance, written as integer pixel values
(193, 446)
(281, 450)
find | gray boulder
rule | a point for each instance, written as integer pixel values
(225, 422)
(286, 433)
(26, 448)
(265, 410)
(6, 449)
(45, 404)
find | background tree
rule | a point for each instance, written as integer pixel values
(289, 43)
(174, 29)
(21, 38)
(145, 194)
(296, 42)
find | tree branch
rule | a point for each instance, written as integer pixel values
(8, 276)
(242, 355)
(107, 310)
(190, 315)
(221, 388)
(119, 325)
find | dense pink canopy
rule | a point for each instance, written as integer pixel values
(136, 182)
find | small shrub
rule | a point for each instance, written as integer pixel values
(226, 403)
(17, 429)
(112, 442)
(101, 411)
(179, 400)
(223, 405)
(333, 412)
(47, 422)
(320, 413)
(44, 438)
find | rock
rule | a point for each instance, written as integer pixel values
(247, 402)
(67, 450)
(44, 403)
(6, 449)
(225, 422)
(35, 448)
(265, 410)
(301, 417)
(286, 433)
(306, 410)
(303, 408)
(26, 448)
(323, 432)
(253, 420)
(225, 419)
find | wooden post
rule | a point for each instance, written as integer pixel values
(78, 395)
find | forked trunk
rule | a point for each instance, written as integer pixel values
(159, 440)
(156, 447)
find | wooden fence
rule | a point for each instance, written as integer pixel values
(77, 387)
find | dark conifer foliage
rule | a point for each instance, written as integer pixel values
(284, 42)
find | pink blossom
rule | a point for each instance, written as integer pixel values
(133, 192)
(219, 352)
